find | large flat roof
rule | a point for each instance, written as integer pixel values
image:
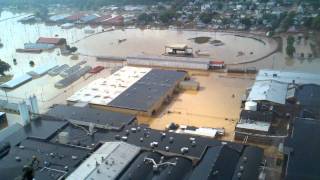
(170, 59)
(303, 161)
(288, 76)
(104, 90)
(41, 70)
(86, 115)
(148, 90)
(111, 158)
(50, 155)
(254, 125)
(268, 90)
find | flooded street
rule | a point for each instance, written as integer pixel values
(222, 110)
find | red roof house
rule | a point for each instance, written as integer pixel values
(54, 41)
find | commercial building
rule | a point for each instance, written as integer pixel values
(16, 81)
(302, 150)
(268, 91)
(53, 41)
(66, 146)
(131, 90)
(39, 46)
(41, 70)
(288, 77)
(170, 62)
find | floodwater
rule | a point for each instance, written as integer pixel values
(215, 105)
(212, 106)
(152, 42)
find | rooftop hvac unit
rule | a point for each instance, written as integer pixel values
(251, 106)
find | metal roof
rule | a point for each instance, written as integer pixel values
(42, 46)
(268, 90)
(89, 18)
(16, 81)
(177, 46)
(41, 70)
(288, 76)
(59, 17)
(254, 125)
(170, 59)
(107, 162)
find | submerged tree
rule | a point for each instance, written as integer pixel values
(31, 63)
(4, 67)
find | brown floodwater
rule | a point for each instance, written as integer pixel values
(212, 106)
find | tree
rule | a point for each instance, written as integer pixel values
(247, 22)
(15, 61)
(290, 50)
(206, 18)
(145, 18)
(31, 63)
(316, 23)
(290, 40)
(288, 21)
(4, 67)
(167, 16)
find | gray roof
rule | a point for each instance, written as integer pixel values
(90, 115)
(148, 90)
(16, 81)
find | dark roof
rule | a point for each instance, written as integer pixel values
(41, 128)
(46, 40)
(256, 115)
(303, 161)
(79, 137)
(61, 156)
(148, 90)
(179, 171)
(90, 115)
(249, 164)
(139, 169)
(308, 97)
(218, 163)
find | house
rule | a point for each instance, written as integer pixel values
(53, 41)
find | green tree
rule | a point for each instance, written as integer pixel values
(288, 21)
(316, 23)
(145, 18)
(206, 17)
(290, 50)
(31, 63)
(247, 22)
(290, 40)
(4, 67)
(167, 16)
